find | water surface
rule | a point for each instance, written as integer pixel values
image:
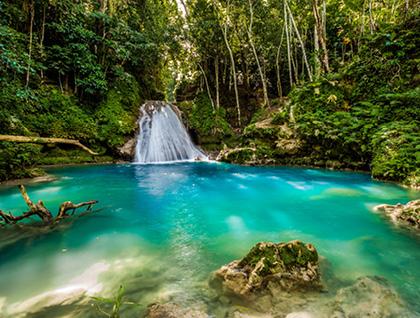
(162, 229)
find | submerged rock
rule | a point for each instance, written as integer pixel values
(407, 215)
(368, 297)
(291, 266)
(170, 310)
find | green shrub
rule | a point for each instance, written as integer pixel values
(205, 120)
(396, 151)
(116, 116)
(16, 160)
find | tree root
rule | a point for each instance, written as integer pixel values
(40, 210)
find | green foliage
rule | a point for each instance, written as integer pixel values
(115, 303)
(367, 114)
(117, 115)
(16, 160)
(13, 56)
(280, 117)
(396, 152)
(205, 120)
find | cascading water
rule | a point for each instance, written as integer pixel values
(163, 137)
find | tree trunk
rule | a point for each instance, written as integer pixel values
(207, 85)
(44, 140)
(371, 20)
(300, 41)
(41, 42)
(251, 42)
(216, 71)
(279, 87)
(322, 38)
(232, 60)
(31, 26)
(289, 61)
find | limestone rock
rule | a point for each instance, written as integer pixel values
(127, 151)
(170, 310)
(369, 297)
(292, 266)
(300, 314)
(407, 215)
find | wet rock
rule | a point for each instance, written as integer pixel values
(288, 266)
(368, 297)
(173, 311)
(127, 151)
(407, 215)
(300, 314)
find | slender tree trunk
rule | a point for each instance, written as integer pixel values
(288, 44)
(247, 82)
(185, 7)
(294, 57)
(301, 43)
(251, 42)
(232, 60)
(317, 62)
(362, 25)
(321, 36)
(31, 27)
(207, 85)
(41, 42)
(371, 21)
(224, 71)
(216, 71)
(279, 87)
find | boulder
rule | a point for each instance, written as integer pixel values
(291, 266)
(406, 215)
(368, 297)
(127, 151)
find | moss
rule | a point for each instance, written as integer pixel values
(117, 115)
(275, 256)
(255, 132)
(279, 118)
(240, 155)
(204, 120)
(297, 253)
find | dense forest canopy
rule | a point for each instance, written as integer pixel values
(341, 76)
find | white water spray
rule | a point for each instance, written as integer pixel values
(163, 137)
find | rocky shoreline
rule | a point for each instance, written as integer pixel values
(404, 215)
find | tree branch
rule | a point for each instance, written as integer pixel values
(41, 211)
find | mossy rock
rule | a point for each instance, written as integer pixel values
(294, 253)
(289, 266)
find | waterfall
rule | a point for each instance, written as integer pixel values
(163, 137)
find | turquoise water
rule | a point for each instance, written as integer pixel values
(161, 229)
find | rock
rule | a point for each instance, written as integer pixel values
(368, 297)
(292, 266)
(173, 311)
(127, 151)
(407, 215)
(300, 314)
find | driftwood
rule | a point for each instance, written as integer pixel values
(43, 140)
(41, 211)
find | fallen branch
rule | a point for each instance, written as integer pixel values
(44, 140)
(42, 212)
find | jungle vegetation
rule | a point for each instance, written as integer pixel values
(342, 75)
